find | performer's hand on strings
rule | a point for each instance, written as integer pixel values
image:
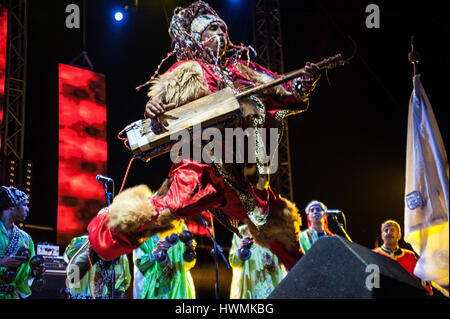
(312, 74)
(155, 107)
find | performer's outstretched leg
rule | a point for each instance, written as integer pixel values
(280, 232)
(136, 214)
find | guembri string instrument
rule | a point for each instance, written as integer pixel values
(148, 139)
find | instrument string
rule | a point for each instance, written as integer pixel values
(124, 139)
(126, 173)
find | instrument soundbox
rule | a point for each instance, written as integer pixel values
(150, 138)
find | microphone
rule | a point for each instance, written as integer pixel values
(103, 179)
(333, 212)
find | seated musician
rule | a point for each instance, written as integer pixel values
(207, 62)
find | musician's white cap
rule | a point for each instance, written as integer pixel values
(315, 203)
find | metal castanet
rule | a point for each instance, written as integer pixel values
(147, 140)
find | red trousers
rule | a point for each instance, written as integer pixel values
(195, 187)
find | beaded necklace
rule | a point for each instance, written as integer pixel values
(13, 245)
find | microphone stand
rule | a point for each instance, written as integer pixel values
(216, 250)
(109, 198)
(341, 226)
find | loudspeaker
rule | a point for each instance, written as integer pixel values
(334, 268)
(55, 283)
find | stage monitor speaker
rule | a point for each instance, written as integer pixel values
(55, 283)
(335, 268)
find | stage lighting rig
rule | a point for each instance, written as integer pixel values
(125, 7)
(118, 15)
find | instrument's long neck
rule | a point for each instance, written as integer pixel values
(328, 63)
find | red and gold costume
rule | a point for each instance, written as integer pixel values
(404, 257)
(137, 214)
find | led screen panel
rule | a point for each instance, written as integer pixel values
(82, 149)
(3, 36)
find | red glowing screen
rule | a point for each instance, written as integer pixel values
(195, 224)
(82, 149)
(3, 35)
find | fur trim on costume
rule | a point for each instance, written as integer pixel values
(132, 212)
(282, 224)
(167, 224)
(131, 208)
(183, 84)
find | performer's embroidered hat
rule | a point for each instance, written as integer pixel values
(11, 197)
(201, 23)
(185, 30)
(188, 23)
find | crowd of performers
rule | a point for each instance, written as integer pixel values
(162, 264)
(150, 224)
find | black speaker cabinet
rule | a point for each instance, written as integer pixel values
(55, 283)
(335, 268)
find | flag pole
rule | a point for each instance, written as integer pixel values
(414, 57)
(426, 166)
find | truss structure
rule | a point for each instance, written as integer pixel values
(13, 125)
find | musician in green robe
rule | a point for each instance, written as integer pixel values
(162, 269)
(255, 275)
(97, 282)
(16, 275)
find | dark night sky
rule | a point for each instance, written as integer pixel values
(348, 150)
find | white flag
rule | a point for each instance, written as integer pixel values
(426, 191)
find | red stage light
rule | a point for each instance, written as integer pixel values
(82, 149)
(195, 224)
